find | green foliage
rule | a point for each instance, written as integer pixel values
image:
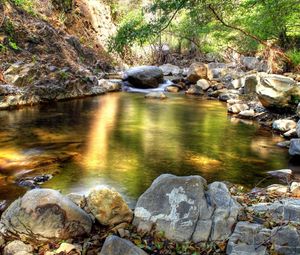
(13, 45)
(294, 55)
(63, 5)
(26, 5)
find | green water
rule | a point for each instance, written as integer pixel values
(126, 141)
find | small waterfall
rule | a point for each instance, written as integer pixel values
(160, 88)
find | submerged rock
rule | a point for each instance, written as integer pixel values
(172, 89)
(175, 205)
(156, 95)
(194, 90)
(108, 206)
(45, 214)
(144, 77)
(114, 245)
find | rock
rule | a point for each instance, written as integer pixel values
(225, 96)
(66, 248)
(278, 189)
(298, 128)
(298, 110)
(6, 90)
(294, 147)
(284, 125)
(77, 199)
(169, 69)
(277, 92)
(291, 133)
(250, 83)
(2, 240)
(109, 86)
(194, 90)
(17, 248)
(172, 89)
(250, 63)
(114, 245)
(175, 205)
(21, 74)
(248, 239)
(236, 84)
(284, 144)
(196, 72)
(203, 84)
(144, 77)
(285, 210)
(45, 214)
(282, 174)
(215, 71)
(237, 108)
(156, 95)
(286, 240)
(247, 113)
(295, 189)
(42, 178)
(108, 206)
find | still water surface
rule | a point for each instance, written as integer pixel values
(126, 141)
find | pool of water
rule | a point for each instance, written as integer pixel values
(126, 141)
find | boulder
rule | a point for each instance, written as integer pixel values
(298, 128)
(250, 83)
(18, 248)
(298, 110)
(277, 92)
(185, 209)
(21, 74)
(194, 90)
(156, 95)
(247, 114)
(203, 84)
(108, 206)
(215, 71)
(284, 125)
(248, 239)
(250, 63)
(285, 210)
(109, 86)
(144, 77)
(196, 72)
(169, 69)
(45, 214)
(295, 189)
(282, 174)
(114, 245)
(172, 89)
(294, 149)
(286, 240)
(237, 108)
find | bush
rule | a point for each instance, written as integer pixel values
(294, 55)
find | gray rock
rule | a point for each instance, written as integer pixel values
(247, 113)
(291, 133)
(227, 96)
(109, 86)
(248, 239)
(17, 248)
(114, 245)
(298, 128)
(287, 210)
(294, 149)
(169, 69)
(298, 110)
(251, 63)
(156, 95)
(144, 77)
(237, 108)
(286, 240)
(44, 214)
(194, 90)
(284, 144)
(285, 174)
(284, 125)
(183, 209)
(250, 83)
(277, 92)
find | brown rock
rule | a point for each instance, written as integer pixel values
(196, 72)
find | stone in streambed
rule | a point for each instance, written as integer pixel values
(156, 95)
(17, 248)
(108, 206)
(284, 125)
(114, 245)
(294, 149)
(45, 214)
(196, 72)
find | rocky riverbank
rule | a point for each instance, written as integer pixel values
(176, 215)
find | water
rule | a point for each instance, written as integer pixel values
(126, 141)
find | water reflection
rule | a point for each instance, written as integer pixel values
(126, 141)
